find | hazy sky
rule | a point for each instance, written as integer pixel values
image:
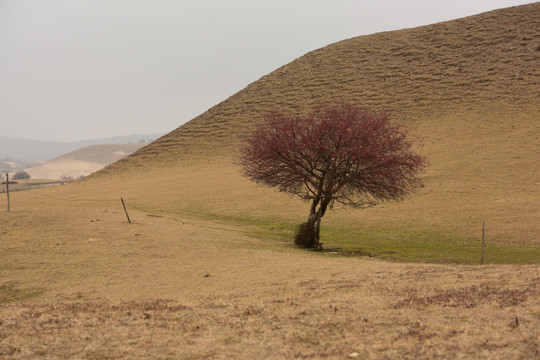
(74, 70)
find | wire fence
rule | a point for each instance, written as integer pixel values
(32, 186)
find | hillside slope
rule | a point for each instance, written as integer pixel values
(470, 90)
(479, 62)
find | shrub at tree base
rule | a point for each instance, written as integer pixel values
(338, 153)
(305, 237)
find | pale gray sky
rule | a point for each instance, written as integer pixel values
(74, 70)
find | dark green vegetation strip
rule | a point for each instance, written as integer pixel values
(434, 246)
(394, 244)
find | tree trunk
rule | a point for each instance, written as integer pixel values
(313, 230)
(308, 233)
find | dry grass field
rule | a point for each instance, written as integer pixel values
(207, 268)
(78, 281)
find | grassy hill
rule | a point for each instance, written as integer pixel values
(468, 88)
(473, 65)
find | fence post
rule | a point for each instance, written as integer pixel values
(125, 210)
(483, 239)
(7, 191)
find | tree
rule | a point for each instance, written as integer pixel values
(20, 175)
(339, 153)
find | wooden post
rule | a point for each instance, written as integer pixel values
(125, 210)
(7, 191)
(483, 240)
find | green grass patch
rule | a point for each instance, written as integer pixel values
(275, 229)
(399, 243)
(408, 244)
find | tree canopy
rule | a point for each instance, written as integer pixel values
(338, 153)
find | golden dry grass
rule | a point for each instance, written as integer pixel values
(78, 281)
(207, 271)
(481, 168)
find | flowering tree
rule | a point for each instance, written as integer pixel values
(338, 153)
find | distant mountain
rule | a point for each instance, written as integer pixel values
(25, 150)
(83, 161)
